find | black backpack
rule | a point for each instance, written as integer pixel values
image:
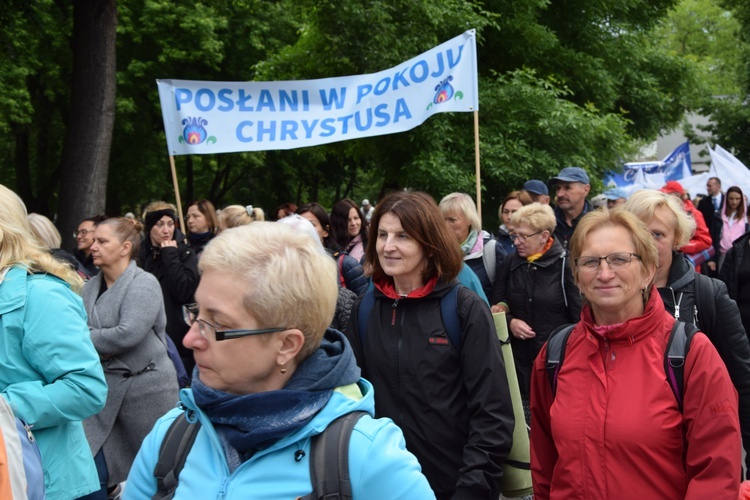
(329, 458)
(674, 357)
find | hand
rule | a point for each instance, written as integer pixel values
(170, 243)
(711, 265)
(521, 330)
(499, 308)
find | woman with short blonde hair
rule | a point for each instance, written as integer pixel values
(270, 377)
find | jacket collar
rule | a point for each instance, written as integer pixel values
(551, 256)
(632, 330)
(681, 273)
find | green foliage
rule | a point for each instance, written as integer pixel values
(561, 83)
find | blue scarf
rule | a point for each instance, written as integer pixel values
(252, 422)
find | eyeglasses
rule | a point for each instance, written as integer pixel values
(523, 237)
(210, 332)
(82, 232)
(616, 261)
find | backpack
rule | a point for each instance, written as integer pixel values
(448, 313)
(674, 357)
(21, 471)
(489, 258)
(703, 289)
(329, 458)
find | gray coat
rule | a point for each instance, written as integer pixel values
(127, 329)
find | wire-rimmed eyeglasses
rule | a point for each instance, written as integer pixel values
(523, 237)
(210, 332)
(616, 261)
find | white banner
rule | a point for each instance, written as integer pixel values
(224, 117)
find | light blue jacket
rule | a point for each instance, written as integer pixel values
(51, 376)
(379, 465)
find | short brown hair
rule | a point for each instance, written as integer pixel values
(206, 208)
(421, 219)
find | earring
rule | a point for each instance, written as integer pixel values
(283, 370)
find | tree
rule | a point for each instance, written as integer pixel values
(88, 137)
(576, 83)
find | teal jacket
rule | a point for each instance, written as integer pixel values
(380, 467)
(51, 376)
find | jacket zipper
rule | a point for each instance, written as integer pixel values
(398, 357)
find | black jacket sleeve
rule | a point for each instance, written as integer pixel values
(731, 342)
(728, 273)
(488, 400)
(354, 275)
(181, 272)
(500, 286)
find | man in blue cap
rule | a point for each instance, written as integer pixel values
(615, 197)
(571, 189)
(537, 191)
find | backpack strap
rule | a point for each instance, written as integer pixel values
(556, 345)
(329, 459)
(363, 314)
(173, 453)
(448, 313)
(450, 317)
(705, 303)
(489, 258)
(340, 261)
(674, 357)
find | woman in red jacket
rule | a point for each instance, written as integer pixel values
(614, 428)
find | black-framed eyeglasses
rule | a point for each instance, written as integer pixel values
(210, 332)
(616, 261)
(523, 237)
(82, 232)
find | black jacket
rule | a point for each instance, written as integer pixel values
(732, 263)
(724, 330)
(713, 219)
(177, 272)
(544, 295)
(350, 272)
(453, 407)
(563, 232)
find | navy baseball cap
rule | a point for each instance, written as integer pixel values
(571, 174)
(536, 186)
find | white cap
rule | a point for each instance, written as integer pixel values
(365, 201)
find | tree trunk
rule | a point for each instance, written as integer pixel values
(88, 135)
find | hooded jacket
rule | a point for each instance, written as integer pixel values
(454, 407)
(51, 376)
(379, 465)
(723, 328)
(614, 429)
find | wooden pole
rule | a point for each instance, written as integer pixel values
(477, 168)
(177, 193)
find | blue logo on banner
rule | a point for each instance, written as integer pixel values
(195, 131)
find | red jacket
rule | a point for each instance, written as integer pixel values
(701, 238)
(614, 429)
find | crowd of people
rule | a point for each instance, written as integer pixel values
(224, 361)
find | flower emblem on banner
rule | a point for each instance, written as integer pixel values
(444, 92)
(195, 131)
